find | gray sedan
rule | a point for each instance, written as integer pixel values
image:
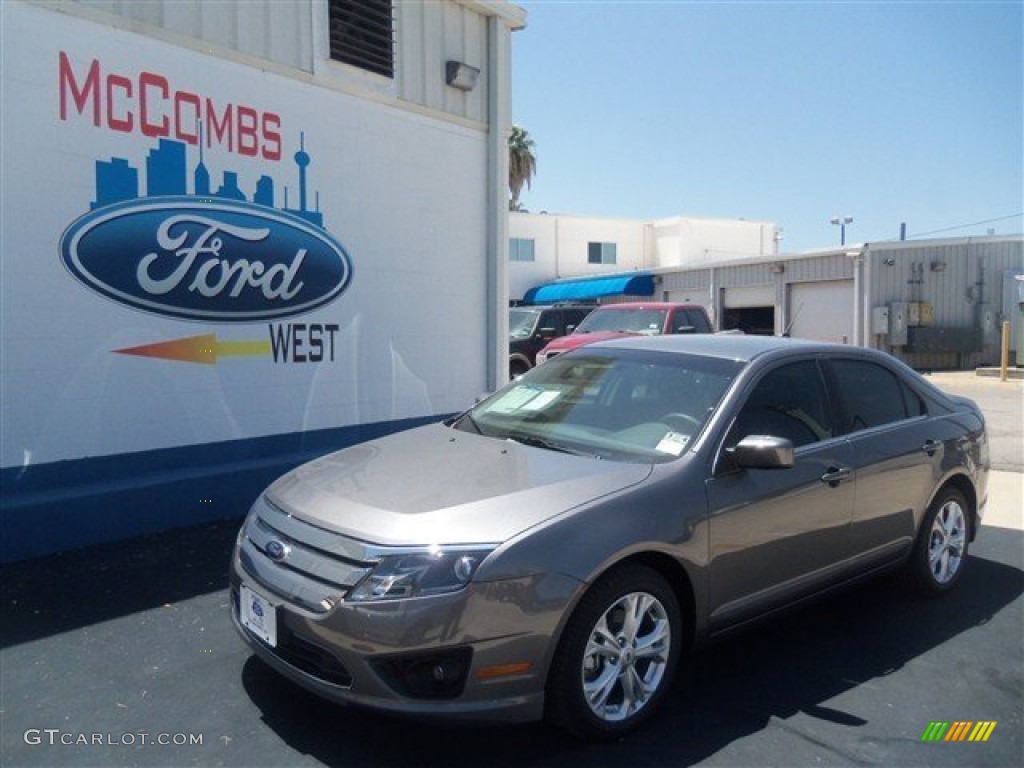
(554, 550)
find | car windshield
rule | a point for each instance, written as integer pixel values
(624, 405)
(646, 321)
(521, 322)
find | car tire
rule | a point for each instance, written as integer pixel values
(609, 673)
(517, 368)
(937, 563)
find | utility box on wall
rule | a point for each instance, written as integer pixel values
(879, 321)
(920, 313)
(1013, 309)
(899, 321)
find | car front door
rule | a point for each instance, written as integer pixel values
(779, 533)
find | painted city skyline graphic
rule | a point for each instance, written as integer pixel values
(164, 237)
(117, 180)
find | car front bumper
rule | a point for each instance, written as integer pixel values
(481, 653)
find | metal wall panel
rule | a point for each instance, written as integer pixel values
(429, 35)
(833, 266)
(961, 280)
(267, 29)
(697, 279)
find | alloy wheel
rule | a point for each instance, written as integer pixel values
(947, 541)
(626, 656)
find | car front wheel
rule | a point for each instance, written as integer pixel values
(940, 554)
(618, 655)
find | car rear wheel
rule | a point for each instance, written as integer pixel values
(618, 655)
(940, 554)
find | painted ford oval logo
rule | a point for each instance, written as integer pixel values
(211, 259)
(276, 550)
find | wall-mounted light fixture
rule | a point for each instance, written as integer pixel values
(938, 266)
(889, 261)
(461, 76)
(777, 268)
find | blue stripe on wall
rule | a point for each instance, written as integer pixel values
(65, 505)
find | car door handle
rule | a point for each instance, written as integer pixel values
(835, 475)
(931, 447)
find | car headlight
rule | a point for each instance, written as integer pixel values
(433, 571)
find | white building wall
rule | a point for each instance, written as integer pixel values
(401, 191)
(561, 245)
(102, 360)
(689, 242)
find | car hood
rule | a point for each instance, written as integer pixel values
(437, 485)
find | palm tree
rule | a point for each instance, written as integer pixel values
(522, 165)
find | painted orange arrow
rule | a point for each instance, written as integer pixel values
(203, 349)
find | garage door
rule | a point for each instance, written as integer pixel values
(822, 311)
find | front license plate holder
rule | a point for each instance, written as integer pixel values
(258, 615)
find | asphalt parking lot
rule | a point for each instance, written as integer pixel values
(124, 654)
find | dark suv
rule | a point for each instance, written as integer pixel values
(530, 328)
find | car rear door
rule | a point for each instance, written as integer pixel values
(896, 452)
(778, 533)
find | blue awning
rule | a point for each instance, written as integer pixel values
(635, 284)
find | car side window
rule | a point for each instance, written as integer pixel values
(573, 318)
(872, 396)
(698, 321)
(915, 405)
(791, 402)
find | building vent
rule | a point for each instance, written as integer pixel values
(362, 34)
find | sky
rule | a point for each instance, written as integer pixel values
(789, 112)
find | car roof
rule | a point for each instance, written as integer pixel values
(560, 305)
(647, 305)
(729, 346)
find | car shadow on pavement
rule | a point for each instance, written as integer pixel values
(732, 689)
(59, 593)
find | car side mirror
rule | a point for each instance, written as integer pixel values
(547, 333)
(763, 452)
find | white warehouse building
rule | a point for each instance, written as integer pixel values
(936, 304)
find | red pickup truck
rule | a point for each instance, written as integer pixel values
(632, 319)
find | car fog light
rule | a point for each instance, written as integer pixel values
(431, 676)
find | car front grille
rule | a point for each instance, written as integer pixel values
(298, 561)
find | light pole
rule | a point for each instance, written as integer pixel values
(841, 223)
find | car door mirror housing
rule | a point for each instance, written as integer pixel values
(763, 452)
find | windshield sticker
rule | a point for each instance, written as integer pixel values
(673, 443)
(525, 398)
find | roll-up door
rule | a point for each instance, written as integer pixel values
(822, 311)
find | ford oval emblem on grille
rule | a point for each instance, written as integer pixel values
(276, 550)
